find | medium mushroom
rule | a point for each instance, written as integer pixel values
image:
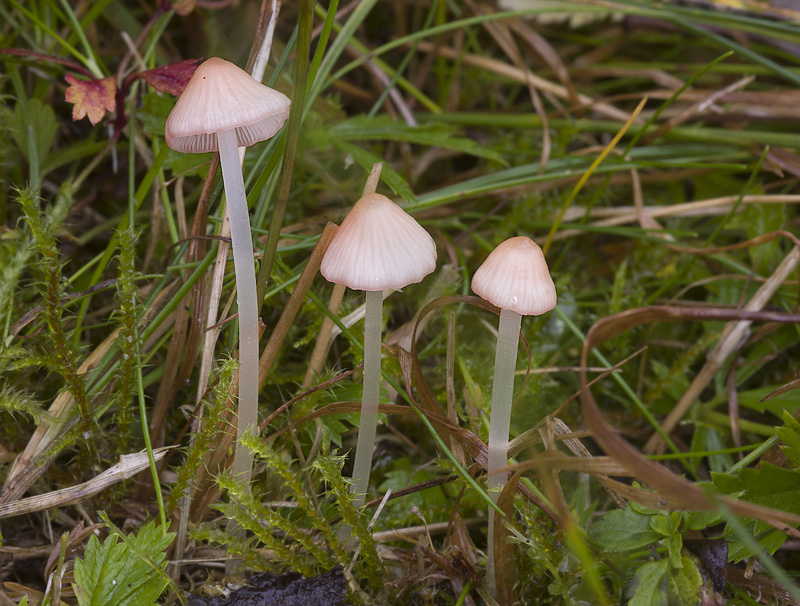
(222, 109)
(378, 246)
(515, 278)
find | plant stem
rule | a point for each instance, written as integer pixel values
(244, 266)
(505, 361)
(304, 27)
(369, 398)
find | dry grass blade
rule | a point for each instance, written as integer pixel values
(128, 466)
(524, 76)
(790, 386)
(697, 108)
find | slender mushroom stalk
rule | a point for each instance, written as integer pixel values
(222, 109)
(515, 278)
(377, 247)
(370, 394)
(244, 268)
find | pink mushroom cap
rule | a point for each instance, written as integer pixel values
(515, 277)
(378, 246)
(220, 97)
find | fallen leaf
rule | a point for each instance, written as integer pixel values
(171, 78)
(91, 98)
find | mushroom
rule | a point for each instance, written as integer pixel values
(378, 246)
(515, 278)
(221, 109)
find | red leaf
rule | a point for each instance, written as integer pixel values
(91, 98)
(171, 78)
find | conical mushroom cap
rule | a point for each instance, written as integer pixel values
(515, 277)
(220, 97)
(378, 246)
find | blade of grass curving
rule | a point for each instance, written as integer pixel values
(585, 177)
(87, 61)
(94, 63)
(305, 23)
(754, 56)
(391, 72)
(395, 78)
(671, 486)
(344, 34)
(322, 43)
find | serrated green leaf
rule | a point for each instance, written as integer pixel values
(683, 584)
(623, 530)
(726, 483)
(772, 485)
(42, 123)
(790, 436)
(699, 520)
(659, 584)
(116, 573)
(753, 399)
(648, 584)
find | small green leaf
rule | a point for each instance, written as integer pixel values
(42, 123)
(790, 436)
(726, 483)
(659, 584)
(623, 530)
(114, 574)
(648, 585)
(683, 584)
(662, 525)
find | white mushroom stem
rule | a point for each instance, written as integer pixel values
(505, 362)
(369, 396)
(244, 267)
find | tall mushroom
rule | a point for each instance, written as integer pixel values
(515, 278)
(378, 246)
(222, 109)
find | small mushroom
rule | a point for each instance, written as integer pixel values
(221, 109)
(515, 278)
(378, 246)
